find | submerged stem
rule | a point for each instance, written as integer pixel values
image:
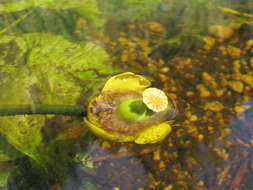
(12, 110)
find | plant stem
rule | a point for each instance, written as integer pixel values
(12, 110)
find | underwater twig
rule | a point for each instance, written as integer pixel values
(12, 110)
(235, 12)
(240, 175)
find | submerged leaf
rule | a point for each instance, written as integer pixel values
(50, 4)
(51, 69)
(4, 174)
(23, 132)
(130, 10)
(86, 8)
(45, 69)
(7, 152)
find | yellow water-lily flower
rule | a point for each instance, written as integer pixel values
(128, 110)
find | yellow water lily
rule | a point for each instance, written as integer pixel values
(127, 109)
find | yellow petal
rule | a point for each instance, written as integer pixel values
(108, 135)
(154, 133)
(127, 82)
(90, 115)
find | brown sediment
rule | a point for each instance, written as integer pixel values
(237, 180)
(211, 85)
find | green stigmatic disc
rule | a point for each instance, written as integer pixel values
(133, 111)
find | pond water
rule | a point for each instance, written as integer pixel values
(200, 52)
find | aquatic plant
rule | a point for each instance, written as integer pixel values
(128, 110)
(39, 70)
(88, 9)
(129, 10)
